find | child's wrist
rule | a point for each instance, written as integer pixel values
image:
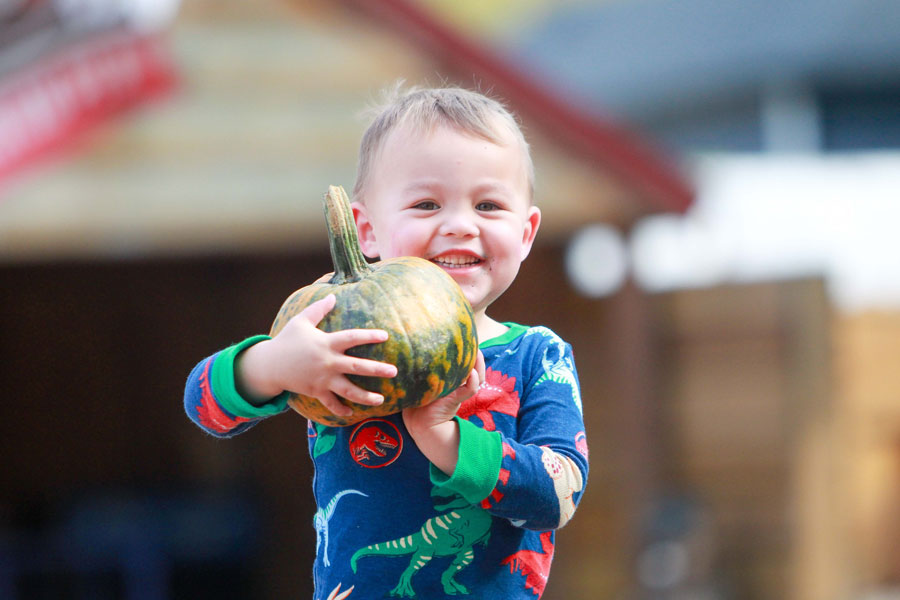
(439, 443)
(251, 377)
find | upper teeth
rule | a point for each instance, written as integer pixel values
(457, 260)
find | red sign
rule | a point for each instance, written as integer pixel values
(49, 102)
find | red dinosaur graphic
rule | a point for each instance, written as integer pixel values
(509, 451)
(209, 413)
(497, 394)
(534, 565)
(496, 495)
(369, 443)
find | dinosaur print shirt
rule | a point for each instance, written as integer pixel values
(389, 524)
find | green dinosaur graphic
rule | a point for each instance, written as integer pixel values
(452, 533)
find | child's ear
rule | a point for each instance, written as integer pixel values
(532, 223)
(365, 230)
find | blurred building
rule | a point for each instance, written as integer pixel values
(708, 76)
(743, 428)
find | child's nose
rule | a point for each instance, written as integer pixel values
(458, 223)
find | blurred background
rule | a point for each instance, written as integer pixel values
(720, 184)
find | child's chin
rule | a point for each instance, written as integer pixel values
(466, 279)
(462, 274)
(472, 294)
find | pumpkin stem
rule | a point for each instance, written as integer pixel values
(349, 263)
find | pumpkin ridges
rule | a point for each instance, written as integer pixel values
(350, 264)
(402, 328)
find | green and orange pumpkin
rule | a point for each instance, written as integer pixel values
(431, 328)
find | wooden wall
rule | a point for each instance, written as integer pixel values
(747, 393)
(868, 352)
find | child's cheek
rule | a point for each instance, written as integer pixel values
(408, 242)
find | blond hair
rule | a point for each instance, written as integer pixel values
(422, 109)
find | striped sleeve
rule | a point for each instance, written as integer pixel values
(212, 401)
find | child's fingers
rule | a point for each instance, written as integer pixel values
(341, 340)
(366, 367)
(356, 394)
(476, 376)
(316, 311)
(475, 381)
(470, 387)
(331, 402)
(479, 365)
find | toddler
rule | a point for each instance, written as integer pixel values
(461, 497)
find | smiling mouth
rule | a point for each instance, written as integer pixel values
(456, 262)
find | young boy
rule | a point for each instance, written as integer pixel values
(460, 497)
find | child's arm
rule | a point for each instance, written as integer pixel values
(230, 391)
(211, 400)
(537, 477)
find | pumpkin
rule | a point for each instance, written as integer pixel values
(430, 325)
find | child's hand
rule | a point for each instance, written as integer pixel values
(443, 409)
(431, 427)
(306, 360)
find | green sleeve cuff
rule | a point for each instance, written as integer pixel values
(478, 465)
(222, 380)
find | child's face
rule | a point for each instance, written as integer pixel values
(454, 199)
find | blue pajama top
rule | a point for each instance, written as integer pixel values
(390, 524)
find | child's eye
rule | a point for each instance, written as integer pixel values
(487, 206)
(426, 205)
